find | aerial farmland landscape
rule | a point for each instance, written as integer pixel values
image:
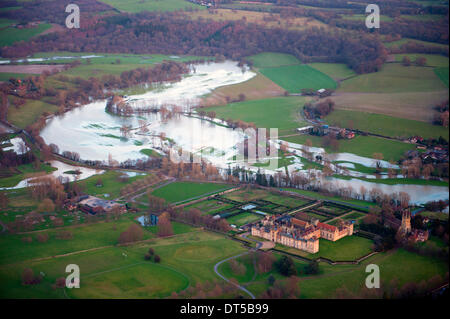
(201, 149)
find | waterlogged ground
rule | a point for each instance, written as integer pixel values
(202, 80)
(96, 134)
(63, 170)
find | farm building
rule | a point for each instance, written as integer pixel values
(94, 205)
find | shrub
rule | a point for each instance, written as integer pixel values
(42, 238)
(285, 266)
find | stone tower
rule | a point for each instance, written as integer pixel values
(406, 222)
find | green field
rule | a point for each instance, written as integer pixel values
(6, 22)
(443, 74)
(394, 78)
(360, 145)
(107, 64)
(265, 113)
(111, 184)
(10, 35)
(399, 264)
(336, 71)
(317, 195)
(122, 272)
(29, 112)
(182, 191)
(84, 237)
(385, 125)
(293, 78)
(347, 248)
(243, 218)
(134, 6)
(272, 59)
(209, 207)
(400, 42)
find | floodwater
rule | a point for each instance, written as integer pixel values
(203, 79)
(419, 194)
(55, 58)
(61, 168)
(96, 135)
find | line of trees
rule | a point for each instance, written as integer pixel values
(176, 33)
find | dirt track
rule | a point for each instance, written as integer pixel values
(30, 68)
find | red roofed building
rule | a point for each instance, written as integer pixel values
(299, 234)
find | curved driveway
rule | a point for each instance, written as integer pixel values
(216, 266)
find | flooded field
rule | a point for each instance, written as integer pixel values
(97, 135)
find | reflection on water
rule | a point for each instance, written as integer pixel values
(96, 135)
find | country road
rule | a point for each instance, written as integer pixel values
(216, 266)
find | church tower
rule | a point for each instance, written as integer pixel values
(406, 222)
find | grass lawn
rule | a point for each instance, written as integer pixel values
(122, 272)
(400, 265)
(293, 78)
(265, 113)
(29, 112)
(111, 184)
(442, 73)
(345, 249)
(354, 215)
(182, 191)
(317, 195)
(336, 71)
(360, 145)
(134, 6)
(210, 206)
(385, 125)
(272, 59)
(84, 237)
(394, 78)
(243, 219)
(10, 35)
